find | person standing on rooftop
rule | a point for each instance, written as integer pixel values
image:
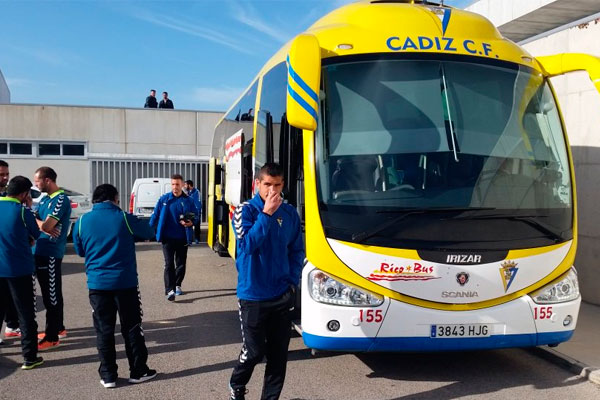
(165, 102)
(151, 100)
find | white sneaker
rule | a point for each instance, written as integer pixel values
(171, 295)
(178, 291)
(108, 385)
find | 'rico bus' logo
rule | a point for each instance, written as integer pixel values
(390, 272)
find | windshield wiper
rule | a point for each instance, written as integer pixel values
(529, 220)
(361, 236)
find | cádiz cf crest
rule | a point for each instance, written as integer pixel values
(508, 272)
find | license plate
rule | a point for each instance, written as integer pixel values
(454, 331)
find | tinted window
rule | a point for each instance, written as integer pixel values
(272, 104)
(241, 116)
(20, 148)
(3, 148)
(49, 149)
(73, 149)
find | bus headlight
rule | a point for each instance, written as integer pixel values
(566, 289)
(324, 289)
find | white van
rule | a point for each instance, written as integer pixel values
(145, 194)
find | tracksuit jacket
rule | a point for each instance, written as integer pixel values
(162, 211)
(270, 250)
(106, 238)
(18, 227)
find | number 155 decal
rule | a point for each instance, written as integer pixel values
(371, 316)
(542, 312)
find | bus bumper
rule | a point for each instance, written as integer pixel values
(405, 327)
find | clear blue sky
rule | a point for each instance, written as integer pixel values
(111, 53)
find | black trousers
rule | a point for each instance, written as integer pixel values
(49, 275)
(23, 295)
(105, 305)
(8, 311)
(266, 329)
(197, 231)
(175, 253)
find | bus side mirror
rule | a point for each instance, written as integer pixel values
(304, 76)
(569, 62)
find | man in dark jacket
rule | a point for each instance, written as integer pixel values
(165, 102)
(19, 230)
(173, 213)
(151, 100)
(270, 256)
(106, 238)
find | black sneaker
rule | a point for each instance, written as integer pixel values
(32, 364)
(238, 394)
(150, 374)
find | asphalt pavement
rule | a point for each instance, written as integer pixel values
(194, 342)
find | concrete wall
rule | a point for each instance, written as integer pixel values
(4, 91)
(113, 130)
(580, 104)
(110, 134)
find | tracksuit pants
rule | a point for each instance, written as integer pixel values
(266, 329)
(49, 275)
(8, 312)
(105, 305)
(23, 294)
(175, 254)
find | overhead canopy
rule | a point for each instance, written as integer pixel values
(519, 20)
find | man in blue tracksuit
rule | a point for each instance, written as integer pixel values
(7, 306)
(106, 238)
(54, 212)
(270, 255)
(173, 213)
(194, 194)
(19, 230)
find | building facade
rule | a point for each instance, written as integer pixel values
(88, 146)
(4, 92)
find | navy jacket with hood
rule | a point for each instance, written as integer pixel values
(270, 250)
(162, 211)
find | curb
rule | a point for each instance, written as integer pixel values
(562, 360)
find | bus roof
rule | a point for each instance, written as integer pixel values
(388, 26)
(407, 26)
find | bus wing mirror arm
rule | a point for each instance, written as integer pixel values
(568, 62)
(304, 79)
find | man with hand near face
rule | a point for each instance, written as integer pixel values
(173, 213)
(270, 256)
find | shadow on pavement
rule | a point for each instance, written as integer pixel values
(467, 373)
(187, 332)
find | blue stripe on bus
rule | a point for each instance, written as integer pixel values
(302, 102)
(301, 82)
(431, 344)
(446, 21)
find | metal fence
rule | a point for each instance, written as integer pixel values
(122, 174)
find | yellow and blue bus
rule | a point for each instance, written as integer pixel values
(428, 160)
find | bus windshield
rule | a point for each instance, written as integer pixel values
(477, 149)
